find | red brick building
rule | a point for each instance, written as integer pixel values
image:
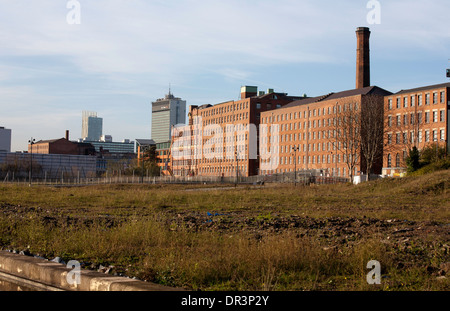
(305, 128)
(229, 128)
(61, 146)
(415, 117)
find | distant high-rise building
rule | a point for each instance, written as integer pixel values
(5, 140)
(92, 126)
(167, 112)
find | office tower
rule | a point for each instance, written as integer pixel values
(167, 112)
(5, 139)
(92, 126)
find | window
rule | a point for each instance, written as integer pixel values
(389, 140)
(435, 116)
(413, 101)
(419, 117)
(442, 97)
(389, 104)
(397, 160)
(389, 160)
(405, 102)
(405, 119)
(427, 136)
(269, 106)
(435, 98)
(420, 136)
(443, 135)
(427, 117)
(435, 135)
(442, 116)
(398, 103)
(427, 99)
(399, 120)
(419, 99)
(397, 138)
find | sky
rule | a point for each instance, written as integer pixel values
(115, 57)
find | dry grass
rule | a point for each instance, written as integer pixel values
(131, 228)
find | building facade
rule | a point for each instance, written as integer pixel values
(15, 166)
(166, 113)
(61, 146)
(163, 158)
(5, 140)
(92, 126)
(305, 140)
(414, 118)
(223, 138)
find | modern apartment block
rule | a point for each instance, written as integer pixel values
(92, 126)
(166, 113)
(415, 117)
(222, 135)
(5, 140)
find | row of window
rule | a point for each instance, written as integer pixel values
(405, 138)
(310, 113)
(397, 159)
(224, 169)
(224, 109)
(410, 100)
(437, 116)
(325, 158)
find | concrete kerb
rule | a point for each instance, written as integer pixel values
(55, 275)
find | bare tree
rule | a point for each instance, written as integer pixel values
(345, 133)
(372, 131)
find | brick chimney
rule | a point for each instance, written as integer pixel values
(362, 57)
(67, 134)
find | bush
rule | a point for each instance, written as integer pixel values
(412, 161)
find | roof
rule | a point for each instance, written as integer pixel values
(145, 142)
(49, 141)
(370, 90)
(424, 88)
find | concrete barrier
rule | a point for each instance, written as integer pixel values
(54, 275)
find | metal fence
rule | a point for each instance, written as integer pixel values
(301, 178)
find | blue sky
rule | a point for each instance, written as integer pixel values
(124, 54)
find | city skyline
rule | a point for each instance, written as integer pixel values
(120, 59)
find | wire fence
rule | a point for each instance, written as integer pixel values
(301, 178)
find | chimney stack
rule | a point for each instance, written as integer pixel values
(67, 134)
(362, 57)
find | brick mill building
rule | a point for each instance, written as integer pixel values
(415, 117)
(305, 127)
(232, 155)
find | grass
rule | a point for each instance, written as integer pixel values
(136, 229)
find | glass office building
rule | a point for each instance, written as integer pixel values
(92, 126)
